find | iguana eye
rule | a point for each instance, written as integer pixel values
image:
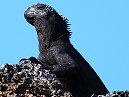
(40, 8)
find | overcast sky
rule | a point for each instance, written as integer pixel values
(100, 33)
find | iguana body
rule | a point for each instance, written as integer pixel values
(59, 56)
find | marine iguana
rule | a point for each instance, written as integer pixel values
(58, 55)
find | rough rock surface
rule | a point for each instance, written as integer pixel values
(30, 79)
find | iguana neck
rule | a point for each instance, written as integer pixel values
(47, 35)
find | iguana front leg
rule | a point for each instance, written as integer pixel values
(65, 63)
(45, 66)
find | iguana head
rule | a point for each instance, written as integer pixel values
(45, 18)
(37, 11)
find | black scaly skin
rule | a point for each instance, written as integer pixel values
(59, 56)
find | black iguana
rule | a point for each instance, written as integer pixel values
(59, 56)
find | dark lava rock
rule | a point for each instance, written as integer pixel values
(114, 94)
(29, 79)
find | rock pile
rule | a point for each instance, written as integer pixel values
(114, 94)
(29, 79)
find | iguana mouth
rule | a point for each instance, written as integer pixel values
(36, 11)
